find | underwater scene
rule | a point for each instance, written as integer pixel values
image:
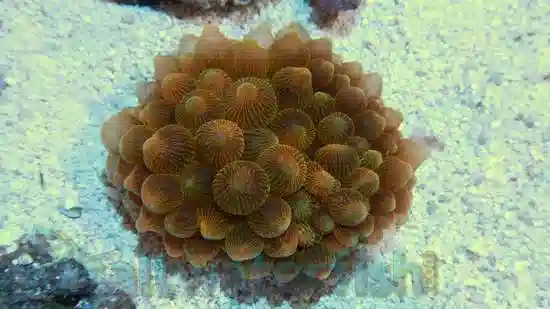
(296, 154)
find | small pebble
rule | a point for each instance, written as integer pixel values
(83, 304)
(128, 19)
(73, 212)
(3, 72)
(8, 248)
(3, 83)
(23, 259)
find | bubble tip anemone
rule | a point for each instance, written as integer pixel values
(223, 185)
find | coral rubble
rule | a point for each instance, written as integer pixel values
(33, 278)
(326, 13)
(237, 10)
(267, 152)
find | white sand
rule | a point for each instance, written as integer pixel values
(469, 72)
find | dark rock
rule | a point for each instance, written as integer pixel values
(72, 213)
(35, 305)
(106, 297)
(238, 11)
(35, 246)
(117, 300)
(64, 281)
(32, 279)
(3, 83)
(335, 5)
(325, 13)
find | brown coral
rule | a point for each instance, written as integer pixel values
(320, 48)
(382, 203)
(161, 193)
(241, 187)
(295, 128)
(249, 59)
(272, 219)
(175, 86)
(286, 168)
(322, 222)
(285, 270)
(365, 228)
(386, 143)
(219, 142)
(319, 182)
(293, 86)
(181, 222)
(346, 236)
(321, 105)
(350, 100)
(337, 159)
(284, 245)
(198, 107)
(353, 69)
(339, 82)
(199, 251)
(306, 234)
(347, 207)
(251, 103)
(322, 72)
(213, 223)
(393, 117)
(169, 149)
(288, 51)
(332, 244)
(155, 114)
(363, 180)
(360, 144)
(122, 170)
(302, 205)
(214, 80)
(272, 149)
(394, 173)
(317, 261)
(148, 221)
(369, 124)
(411, 152)
(371, 84)
(243, 244)
(114, 129)
(173, 245)
(371, 159)
(196, 183)
(335, 128)
(132, 204)
(131, 143)
(256, 140)
(213, 49)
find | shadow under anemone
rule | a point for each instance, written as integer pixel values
(205, 9)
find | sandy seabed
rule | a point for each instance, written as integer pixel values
(476, 74)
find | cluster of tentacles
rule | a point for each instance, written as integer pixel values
(268, 150)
